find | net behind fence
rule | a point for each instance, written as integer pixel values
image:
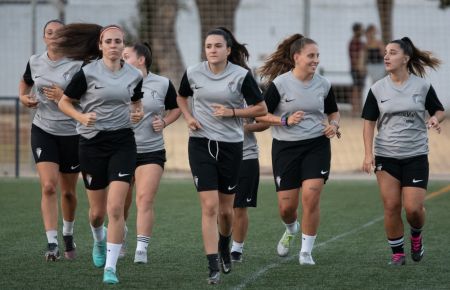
(175, 30)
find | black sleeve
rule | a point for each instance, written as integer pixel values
(137, 92)
(330, 105)
(432, 103)
(371, 111)
(272, 97)
(185, 88)
(170, 102)
(77, 86)
(27, 78)
(250, 90)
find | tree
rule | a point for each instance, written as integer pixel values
(385, 14)
(215, 13)
(385, 8)
(157, 26)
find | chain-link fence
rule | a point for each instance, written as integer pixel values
(175, 29)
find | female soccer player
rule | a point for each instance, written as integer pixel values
(303, 112)
(397, 105)
(159, 97)
(54, 139)
(218, 88)
(104, 88)
(247, 188)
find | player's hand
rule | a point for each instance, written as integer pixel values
(88, 119)
(29, 101)
(193, 124)
(295, 118)
(221, 111)
(158, 124)
(136, 112)
(368, 164)
(433, 123)
(53, 93)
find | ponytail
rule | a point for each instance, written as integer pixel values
(282, 60)
(79, 41)
(239, 54)
(143, 49)
(418, 59)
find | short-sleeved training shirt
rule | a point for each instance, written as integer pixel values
(287, 95)
(228, 88)
(159, 96)
(43, 72)
(400, 115)
(106, 93)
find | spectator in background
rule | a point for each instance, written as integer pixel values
(356, 50)
(374, 55)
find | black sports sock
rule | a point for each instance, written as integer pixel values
(397, 245)
(224, 242)
(415, 232)
(213, 262)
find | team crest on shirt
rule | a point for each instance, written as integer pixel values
(232, 87)
(417, 98)
(154, 94)
(66, 76)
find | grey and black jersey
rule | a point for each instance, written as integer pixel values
(159, 96)
(106, 93)
(43, 72)
(228, 88)
(250, 146)
(400, 115)
(287, 95)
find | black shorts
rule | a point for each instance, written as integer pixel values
(411, 172)
(247, 189)
(296, 161)
(62, 150)
(156, 157)
(109, 156)
(214, 164)
(358, 78)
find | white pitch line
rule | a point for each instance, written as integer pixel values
(340, 236)
(273, 265)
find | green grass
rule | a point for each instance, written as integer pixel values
(356, 258)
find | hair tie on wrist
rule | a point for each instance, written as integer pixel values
(234, 112)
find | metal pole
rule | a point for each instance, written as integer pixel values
(33, 26)
(306, 17)
(17, 138)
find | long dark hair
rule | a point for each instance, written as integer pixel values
(239, 54)
(282, 60)
(418, 59)
(143, 49)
